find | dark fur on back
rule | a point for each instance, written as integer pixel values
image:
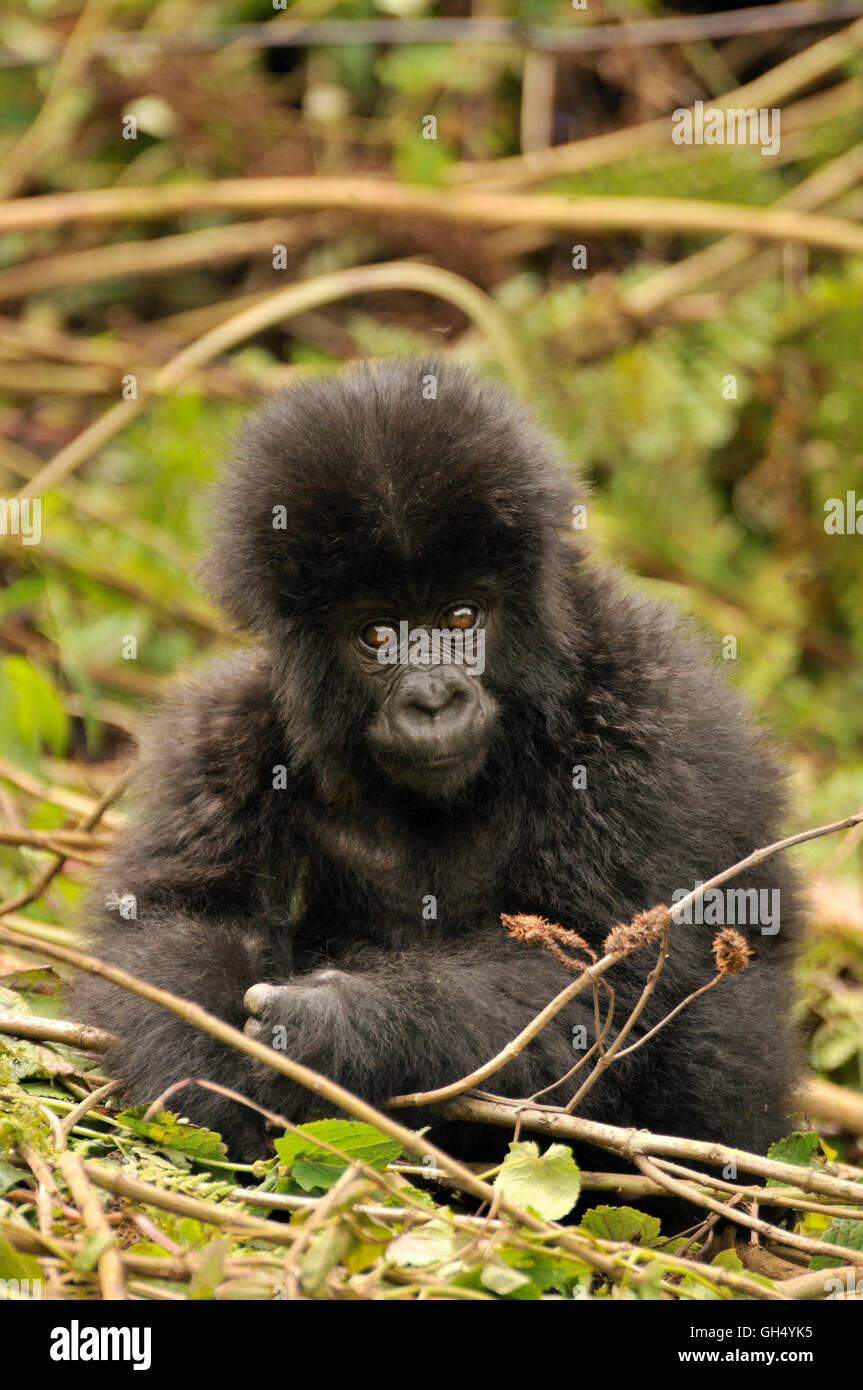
(237, 882)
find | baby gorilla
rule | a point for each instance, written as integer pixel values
(451, 713)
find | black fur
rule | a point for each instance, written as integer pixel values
(416, 500)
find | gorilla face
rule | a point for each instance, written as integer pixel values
(364, 532)
(432, 715)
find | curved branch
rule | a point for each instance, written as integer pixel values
(294, 299)
(376, 196)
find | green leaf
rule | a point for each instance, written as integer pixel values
(548, 1184)
(842, 1232)
(355, 1139)
(799, 1148)
(16, 1266)
(10, 1177)
(92, 1251)
(325, 1250)
(729, 1259)
(621, 1223)
(835, 1043)
(180, 1140)
(501, 1278)
(310, 1174)
(434, 1243)
(209, 1271)
(20, 1058)
(39, 714)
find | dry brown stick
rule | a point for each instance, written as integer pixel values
(590, 975)
(40, 1169)
(695, 216)
(53, 845)
(630, 1142)
(182, 1204)
(608, 1054)
(47, 1197)
(722, 256)
(657, 1027)
(306, 28)
(156, 256)
(40, 790)
(814, 1284)
(109, 1264)
(773, 1196)
(69, 840)
(181, 1268)
(68, 1122)
(710, 1274)
(693, 1192)
(828, 1101)
(38, 929)
(78, 1035)
(597, 1046)
(53, 125)
(23, 340)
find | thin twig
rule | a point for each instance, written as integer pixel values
(109, 1263)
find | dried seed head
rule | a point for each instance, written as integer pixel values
(551, 935)
(732, 951)
(524, 927)
(645, 927)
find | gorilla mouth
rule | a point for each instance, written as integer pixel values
(435, 774)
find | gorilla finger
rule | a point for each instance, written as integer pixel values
(259, 998)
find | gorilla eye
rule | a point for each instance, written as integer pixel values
(377, 635)
(462, 615)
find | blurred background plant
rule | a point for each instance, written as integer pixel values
(711, 490)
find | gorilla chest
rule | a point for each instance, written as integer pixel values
(380, 871)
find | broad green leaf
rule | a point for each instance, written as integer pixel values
(354, 1139)
(548, 1184)
(621, 1223)
(180, 1140)
(432, 1244)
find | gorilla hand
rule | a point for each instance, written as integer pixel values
(310, 1003)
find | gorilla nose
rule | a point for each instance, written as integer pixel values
(435, 706)
(434, 698)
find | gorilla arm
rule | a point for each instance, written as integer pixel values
(208, 961)
(390, 1021)
(205, 912)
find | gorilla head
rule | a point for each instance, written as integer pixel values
(389, 534)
